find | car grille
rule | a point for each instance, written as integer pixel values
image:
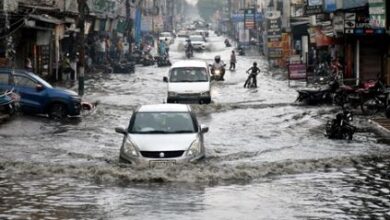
(189, 95)
(157, 154)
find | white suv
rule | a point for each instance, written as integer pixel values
(189, 81)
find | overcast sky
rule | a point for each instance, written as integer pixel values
(192, 1)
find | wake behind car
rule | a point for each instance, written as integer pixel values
(189, 82)
(162, 135)
(39, 97)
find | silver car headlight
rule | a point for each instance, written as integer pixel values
(195, 149)
(170, 94)
(217, 72)
(129, 149)
(205, 94)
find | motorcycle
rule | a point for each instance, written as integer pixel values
(147, 60)
(351, 95)
(217, 74)
(340, 127)
(162, 61)
(123, 67)
(241, 51)
(375, 99)
(324, 96)
(322, 74)
(9, 103)
(189, 52)
(227, 43)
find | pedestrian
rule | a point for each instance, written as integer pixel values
(233, 61)
(120, 48)
(28, 65)
(253, 71)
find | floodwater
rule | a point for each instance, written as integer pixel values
(267, 157)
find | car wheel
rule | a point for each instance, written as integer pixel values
(58, 111)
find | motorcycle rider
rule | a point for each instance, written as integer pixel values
(227, 43)
(189, 47)
(218, 64)
(253, 71)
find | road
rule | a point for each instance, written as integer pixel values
(267, 157)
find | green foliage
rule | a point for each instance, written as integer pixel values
(207, 8)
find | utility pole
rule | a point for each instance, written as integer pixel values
(129, 27)
(82, 13)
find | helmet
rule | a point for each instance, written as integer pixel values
(217, 59)
(254, 64)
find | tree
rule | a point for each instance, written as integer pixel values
(207, 8)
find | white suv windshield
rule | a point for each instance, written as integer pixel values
(196, 38)
(162, 123)
(189, 74)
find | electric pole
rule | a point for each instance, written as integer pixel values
(129, 26)
(82, 13)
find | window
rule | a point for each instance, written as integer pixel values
(190, 74)
(163, 123)
(4, 78)
(24, 82)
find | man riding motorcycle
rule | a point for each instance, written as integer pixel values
(218, 68)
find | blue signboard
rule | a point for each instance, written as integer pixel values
(354, 3)
(330, 5)
(241, 17)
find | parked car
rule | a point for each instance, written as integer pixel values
(162, 135)
(167, 35)
(39, 97)
(198, 42)
(189, 81)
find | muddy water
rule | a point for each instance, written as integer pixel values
(267, 158)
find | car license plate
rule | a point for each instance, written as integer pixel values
(162, 163)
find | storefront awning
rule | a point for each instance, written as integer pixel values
(46, 19)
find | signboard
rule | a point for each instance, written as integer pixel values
(241, 17)
(274, 30)
(330, 5)
(297, 71)
(377, 10)
(275, 53)
(313, 7)
(249, 19)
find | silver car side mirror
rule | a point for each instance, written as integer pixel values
(204, 129)
(120, 130)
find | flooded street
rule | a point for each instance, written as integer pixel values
(266, 157)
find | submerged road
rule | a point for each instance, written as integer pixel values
(267, 157)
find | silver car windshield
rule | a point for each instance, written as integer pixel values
(162, 123)
(196, 38)
(190, 74)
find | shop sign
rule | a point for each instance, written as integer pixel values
(249, 19)
(338, 24)
(377, 13)
(236, 18)
(297, 71)
(313, 7)
(274, 30)
(353, 3)
(330, 5)
(365, 25)
(274, 53)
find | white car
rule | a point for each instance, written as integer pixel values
(198, 42)
(189, 81)
(162, 135)
(167, 35)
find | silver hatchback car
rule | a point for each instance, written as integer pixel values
(162, 135)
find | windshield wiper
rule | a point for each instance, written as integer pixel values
(182, 131)
(149, 132)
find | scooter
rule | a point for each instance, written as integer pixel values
(9, 103)
(162, 61)
(217, 74)
(227, 43)
(340, 127)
